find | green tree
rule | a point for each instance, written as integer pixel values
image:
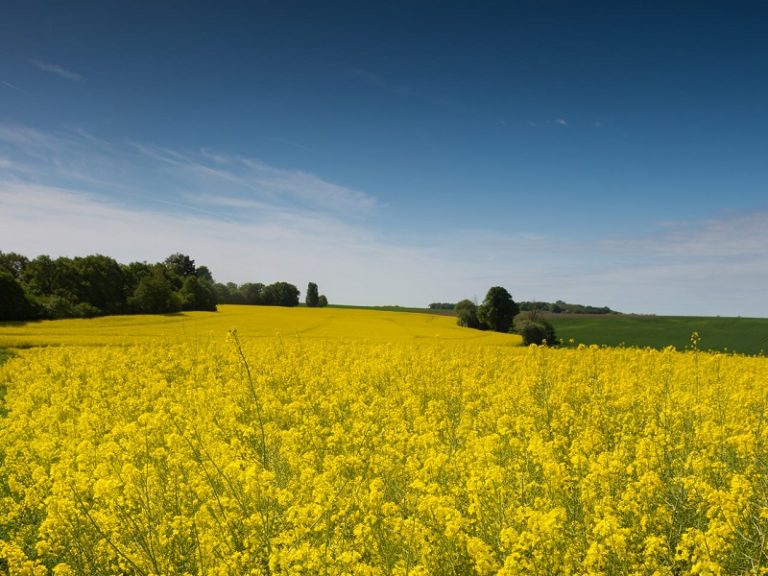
(155, 294)
(312, 299)
(498, 310)
(40, 275)
(466, 314)
(196, 295)
(180, 265)
(280, 294)
(100, 282)
(252, 293)
(535, 329)
(204, 274)
(322, 301)
(14, 302)
(14, 263)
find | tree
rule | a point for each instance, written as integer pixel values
(498, 310)
(40, 275)
(155, 295)
(99, 281)
(252, 293)
(535, 329)
(280, 294)
(322, 301)
(204, 274)
(312, 299)
(14, 263)
(196, 295)
(466, 314)
(14, 302)
(179, 266)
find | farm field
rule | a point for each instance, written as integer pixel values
(742, 335)
(251, 322)
(335, 442)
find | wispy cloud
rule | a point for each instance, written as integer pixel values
(13, 86)
(252, 179)
(561, 121)
(73, 193)
(57, 70)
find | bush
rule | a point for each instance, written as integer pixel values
(535, 329)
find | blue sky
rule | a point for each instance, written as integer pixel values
(605, 153)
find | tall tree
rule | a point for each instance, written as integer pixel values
(312, 299)
(498, 310)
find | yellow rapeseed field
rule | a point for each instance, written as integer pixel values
(251, 322)
(353, 447)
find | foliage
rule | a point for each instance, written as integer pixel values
(359, 457)
(280, 294)
(312, 299)
(442, 306)
(196, 295)
(561, 307)
(498, 310)
(155, 295)
(14, 302)
(96, 285)
(322, 301)
(466, 314)
(535, 329)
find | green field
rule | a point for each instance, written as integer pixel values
(741, 335)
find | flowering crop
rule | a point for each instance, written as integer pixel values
(287, 455)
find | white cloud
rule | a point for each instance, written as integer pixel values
(76, 194)
(56, 70)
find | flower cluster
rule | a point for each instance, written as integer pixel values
(289, 456)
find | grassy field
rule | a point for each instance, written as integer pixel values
(250, 322)
(742, 335)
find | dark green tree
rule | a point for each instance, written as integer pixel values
(40, 275)
(312, 299)
(535, 329)
(197, 295)
(322, 301)
(155, 294)
(100, 282)
(14, 302)
(204, 274)
(498, 310)
(14, 263)
(466, 314)
(252, 293)
(180, 265)
(280, 294)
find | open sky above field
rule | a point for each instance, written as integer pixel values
(606, 153)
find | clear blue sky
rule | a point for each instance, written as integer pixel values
(605, 153)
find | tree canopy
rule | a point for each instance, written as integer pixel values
(498, 310)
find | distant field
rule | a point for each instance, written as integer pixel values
(742, 335)
(250, 322)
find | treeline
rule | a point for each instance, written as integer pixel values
(277, 294)
(561, 307)
(97, 285)
(558, 307)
